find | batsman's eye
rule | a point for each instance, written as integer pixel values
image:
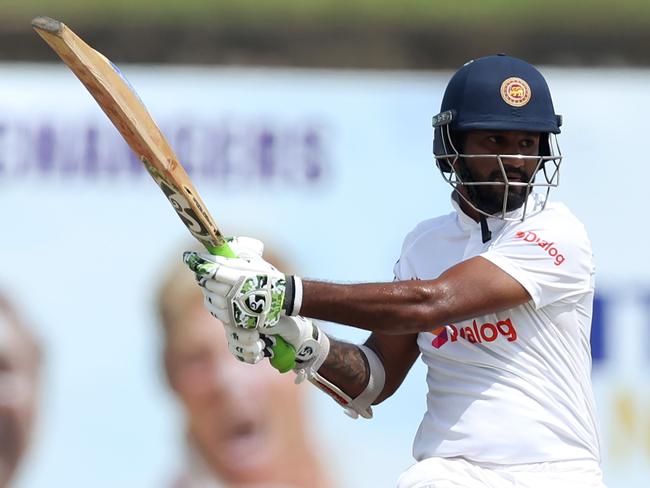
(526, 143)
(495, 140)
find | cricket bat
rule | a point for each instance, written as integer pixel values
(123, 106)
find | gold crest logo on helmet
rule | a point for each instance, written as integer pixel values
(515, 92)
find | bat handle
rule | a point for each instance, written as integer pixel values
(222, 250)
(284, 354)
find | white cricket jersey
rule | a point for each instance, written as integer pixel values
(511, 387)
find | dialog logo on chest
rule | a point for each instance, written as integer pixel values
(475, 334)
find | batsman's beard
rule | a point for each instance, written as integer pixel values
(489, 198)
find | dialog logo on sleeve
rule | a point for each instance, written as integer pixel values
(549, 247)
(475, 334)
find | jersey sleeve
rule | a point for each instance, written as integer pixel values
(551, 259)
(397, 276)
(403, 269)
(400, 270)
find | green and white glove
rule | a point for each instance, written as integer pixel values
(311, 345)
(240, 292)
(245, 292)
(247, 345)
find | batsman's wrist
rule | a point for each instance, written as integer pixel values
(293, 295)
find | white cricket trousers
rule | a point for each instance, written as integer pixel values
(459, 473)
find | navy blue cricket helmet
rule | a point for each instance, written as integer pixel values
(495, 92)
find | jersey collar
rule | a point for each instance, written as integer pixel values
(495, 224)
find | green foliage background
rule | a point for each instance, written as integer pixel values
(506, 13)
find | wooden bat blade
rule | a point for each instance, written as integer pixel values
(124, 108)
(128, 114)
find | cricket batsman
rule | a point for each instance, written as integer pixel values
(496, 297)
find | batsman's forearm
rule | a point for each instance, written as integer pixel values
(347, 367)
(389, 308)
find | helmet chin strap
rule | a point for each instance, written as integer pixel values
(486, 233)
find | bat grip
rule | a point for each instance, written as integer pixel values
(284, 355)
(222, 250)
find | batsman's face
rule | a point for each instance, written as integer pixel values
(242, 417)
(489, 169)
(18, 386)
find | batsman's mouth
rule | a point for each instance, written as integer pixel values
(512, 178)
(515, 177)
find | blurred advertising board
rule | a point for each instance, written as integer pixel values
(334, 168)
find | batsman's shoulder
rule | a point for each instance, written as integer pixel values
(556, 226)
(421, 242)
(429, 229)
(558, 218)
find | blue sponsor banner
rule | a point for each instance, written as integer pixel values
(219, 151)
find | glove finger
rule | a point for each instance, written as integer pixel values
(217, 288)
(249, 354)
(206, 265)
(214, 299)
(228, 276)
(218, 313)
(246, 337)
(287, 329)
(252, 264)
(246, 246)
(201, 264)
(249, 351)
(214, 303)
(247, 358)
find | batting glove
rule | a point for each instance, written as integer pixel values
(245, 292)
(247, 345)
(310, 344)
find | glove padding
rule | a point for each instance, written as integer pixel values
(247, 345)
(311, 346)
(244, 292)
(248, 313)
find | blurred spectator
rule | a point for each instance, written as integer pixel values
(246, 425)
(20, 361)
